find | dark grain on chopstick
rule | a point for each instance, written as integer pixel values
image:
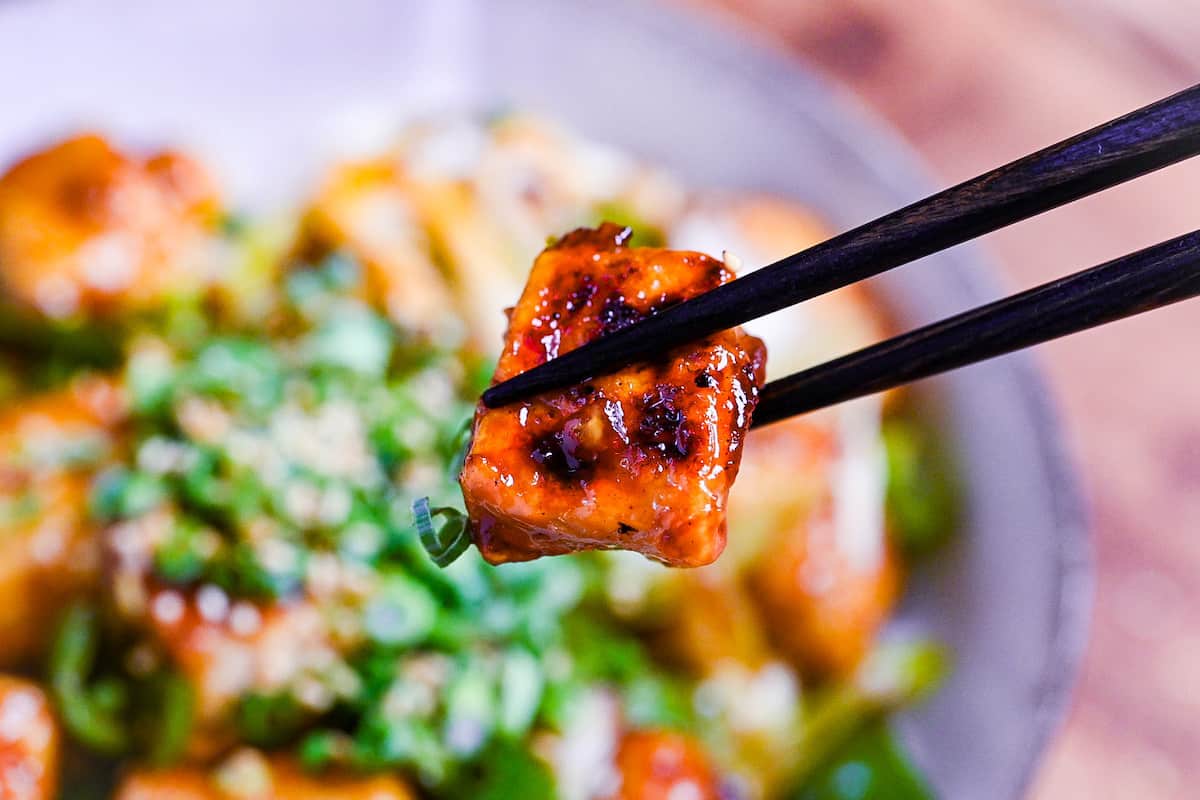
(1157, 276)
(1140, 142)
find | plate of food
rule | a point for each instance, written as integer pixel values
(257, 265)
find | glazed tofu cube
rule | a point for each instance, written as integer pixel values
(823, 607)
(87, 231)
(227, 653)
(661, 765)
(826, 576)
(367, 209)
(641, 459)
(49, 552)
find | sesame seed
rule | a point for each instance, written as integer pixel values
(277, 556)
(161, 456)
(48, 542)
(685, 790)
(246, 773)
(245, 620)
(17, 711)
(168, 607)
(110, 262)
(336, 504)
(212, 603)
(313, 694)
(323, 574)
(732, 261)
(56, 296)
(302, 501)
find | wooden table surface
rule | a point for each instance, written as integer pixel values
(971, 85)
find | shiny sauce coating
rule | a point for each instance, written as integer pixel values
(641, 459)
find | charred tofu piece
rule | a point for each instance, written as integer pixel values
(224, 647)
(762, 229)
(367, 209)
(823, 605)
(642, 459)
(826, 577)
(28, 742)
(660, 765)
(49, 553)
(225, 653)
(825, 585)
(86, 230)
(249, 775)
(714, 622)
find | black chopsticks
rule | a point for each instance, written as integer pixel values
(1145, 140)
(1157, 276)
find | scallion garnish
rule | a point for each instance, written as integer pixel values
(91, 712)
(447, 542)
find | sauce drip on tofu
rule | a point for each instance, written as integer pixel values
(640, 460)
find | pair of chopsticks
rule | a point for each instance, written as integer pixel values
(1145, 140)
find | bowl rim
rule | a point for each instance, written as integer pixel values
(709, 33)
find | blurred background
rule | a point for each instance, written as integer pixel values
(972, 85)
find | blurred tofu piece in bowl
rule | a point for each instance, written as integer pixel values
(87, 231)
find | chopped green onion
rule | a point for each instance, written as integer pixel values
(89, 713)
(233, 225)
(470, 711)
(321, 748)
(340, 271)
(657, 701)
(178, 558)
(241, 572)
(521, 685)
(514, 773)
(895, 675)
(901, 673)
(241, 369)
(382, 743)
(354, 339)
(444, 544)
(401, 613)
(120, 494)
(922, 501)
(870, 765)
(645, 233)
(175, 711)
(268, 720)
(479, 375)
